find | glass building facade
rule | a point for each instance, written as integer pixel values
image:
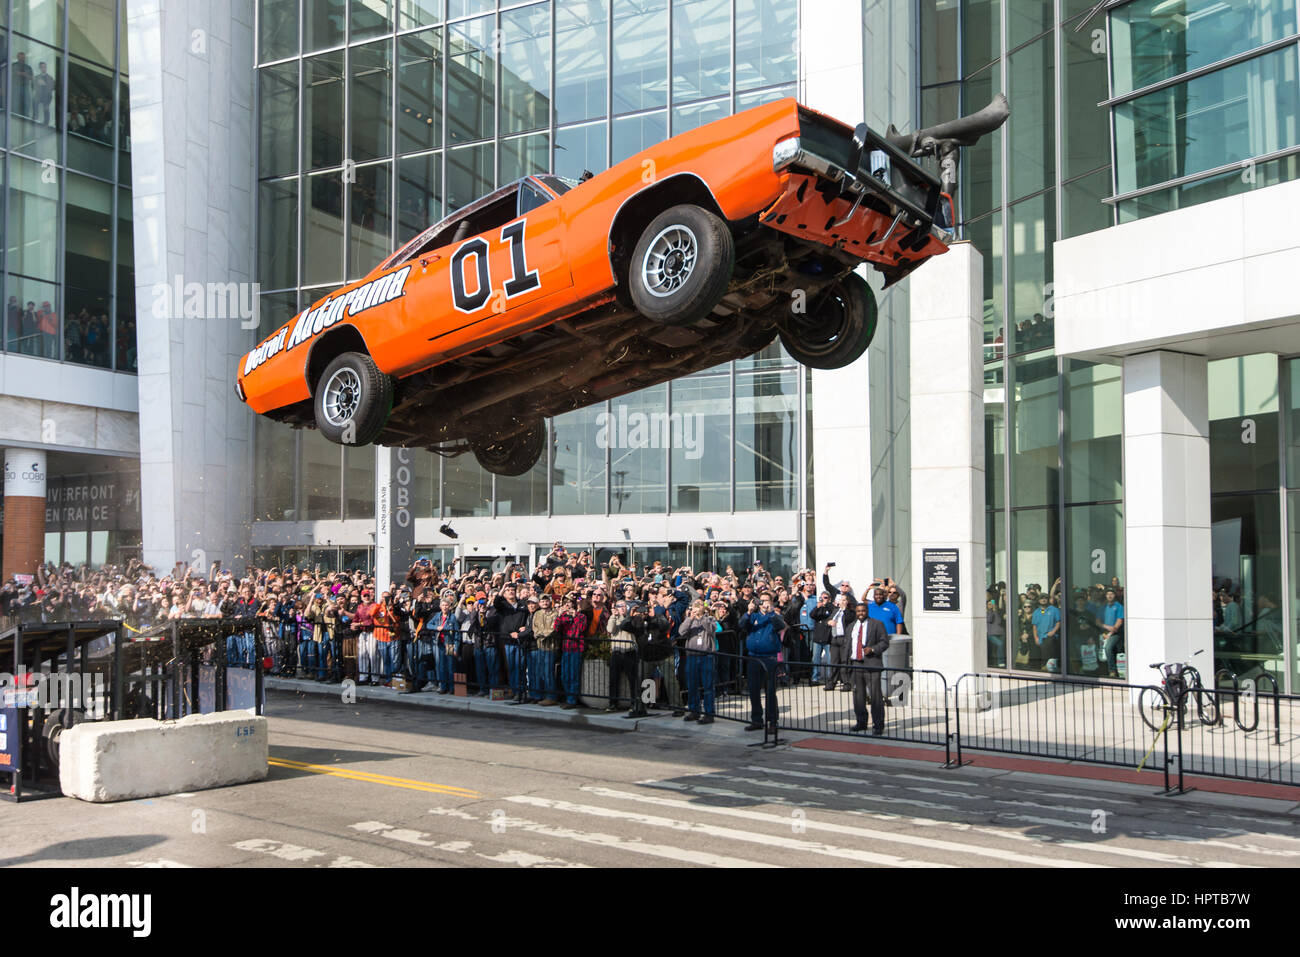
(66, 262)
(377, 119)
(1163, 106)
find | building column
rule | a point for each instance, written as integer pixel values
(947, 410)
(24, 525)
(394, 520)
(1167, 513)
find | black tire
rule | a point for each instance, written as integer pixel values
(1151, 705)
(513, 455)
(836, 329)
(666, 284)
(56, 722)
(353, 400)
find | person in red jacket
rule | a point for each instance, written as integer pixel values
(363, 623)
(571, 625)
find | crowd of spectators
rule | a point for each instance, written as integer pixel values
(33, 93)
(673, 638)
(1093, 619)
(34, 330)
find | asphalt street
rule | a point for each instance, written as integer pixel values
(375, 784)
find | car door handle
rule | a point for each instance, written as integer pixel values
(429, 259)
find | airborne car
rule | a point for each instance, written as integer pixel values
(548, 295)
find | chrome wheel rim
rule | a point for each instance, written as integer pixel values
(670, 261)
(342, 397)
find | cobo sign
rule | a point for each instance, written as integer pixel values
(24, 473)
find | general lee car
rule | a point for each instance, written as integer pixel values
(548, 294)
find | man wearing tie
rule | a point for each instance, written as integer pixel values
(831, 622)
(867, 641)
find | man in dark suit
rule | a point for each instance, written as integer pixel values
(865, 644)
(832, 622)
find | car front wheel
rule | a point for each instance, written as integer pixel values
(353, 400)
(682, 265)
(836, 328)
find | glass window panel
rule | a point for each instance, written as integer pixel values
(767, 442)
(1032, 225)
(467, 487)
(278, 225)
(940, 104)
(581, 60)
(278, 128)
(995, 447)
(523, 494)
(359, 481)
(580, 148)
(1031, 131)
(1094, 415)
(418, 13)
(35, 99)
(467, 8)
(996, 603)
(1292, 372)
(637, 432)
(767, 45)
(469, 175)
(745, 101)
(125, 360)
(91, 25)
(525, 97)
(274, 309)
(701, 456)
(323, 110)
(1034, 455)
(1153, 40)
(124, 134)
(31, 241)
(471, 80)
(1085, 139)
(1246, 566)
(273, 472)
(371, 93)
(1243, 424)
(1026, 19)
(1082, 206)
(981, 164)
(1231, 183)
(419, 91)
(701, 48)
(24, 309)
(986, 235)
(1094, 547)
(771, 356)
(370, 18)
(371, 211)
(87, 267)
(322, 229)
(38, 19)
(1224, 117)
(320, 477)
(938, 36)
(640, 54)
(54, 547)
(632, 134)
(698, 114)
(981, 33)
(74, 547)
(524, 155)
(419, 194)
(1035, 543)
(578, 478)
(277, 25)
(90, 118)
(1293, 510)
(325, 24)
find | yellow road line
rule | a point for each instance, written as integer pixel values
(370, 778)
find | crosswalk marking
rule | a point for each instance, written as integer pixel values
(842, 780)
(752, 837)
(420, 839)
(292, 852)
(872, 834)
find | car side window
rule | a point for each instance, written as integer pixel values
(530, 197)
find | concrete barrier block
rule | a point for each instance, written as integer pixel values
(120, 760)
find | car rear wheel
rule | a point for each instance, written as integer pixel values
(353, 399)
(682, 265)
(56, 722)
(514, 454)
(837, 327)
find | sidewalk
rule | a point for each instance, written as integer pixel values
(659, 722)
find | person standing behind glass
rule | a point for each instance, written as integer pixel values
(43, 91)
(997, 634)
(1112, 624)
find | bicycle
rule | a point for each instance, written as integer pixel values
(1180, 682)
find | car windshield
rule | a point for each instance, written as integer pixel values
(559, 185)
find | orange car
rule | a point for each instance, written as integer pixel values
(548, 295)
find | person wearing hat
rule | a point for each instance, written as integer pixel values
(541, 668)
(363, 623)
(622, 658)
(571, 626)
(514, 634)
(482, 627)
